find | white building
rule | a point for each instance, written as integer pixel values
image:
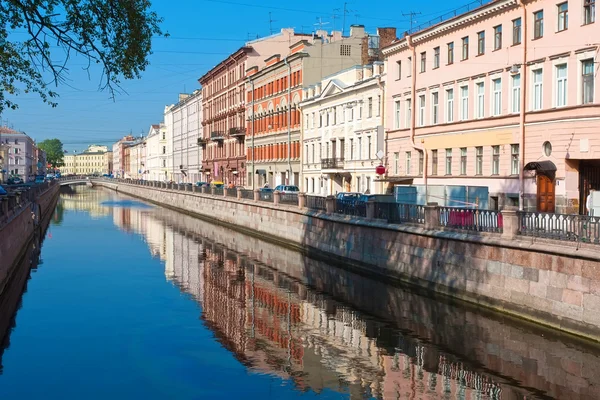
(183, 122)
(137, 160)
(343, 132)
(156, 153)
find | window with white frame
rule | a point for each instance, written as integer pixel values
(589, 11)
(448, 161)
(563, 16)
(422, 110)
(434, 162)
(436, 57)
(479, 107)
(370, 107)
(495, 160)
(408, 114)
(587, 81)
(409, 72)
(435, 107)
(516, 93)
(561, 85)
(463, 160)
(398, 70)
(498, 37)
(408, 163)
(359, 149)
(537, 100)
(464, 103)
(423, 61)
(396, 162)
(449, 105)
(421, 161)
(352, 149)
(378, 106)
(514, 159)
(397, 114)
(496, 96)
(369, 147)
(478, 160)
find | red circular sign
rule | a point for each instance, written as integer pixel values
(380, 170)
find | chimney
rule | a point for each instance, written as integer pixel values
(386, 36)
(367, 71)
(357, 31)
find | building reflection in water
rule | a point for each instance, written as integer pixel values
(283, 314)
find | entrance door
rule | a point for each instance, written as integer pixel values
(545, 194)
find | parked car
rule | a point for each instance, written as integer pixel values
(2, 191)
(287, 189)
(14, 180)
(266, 189)
(217, 184)
(50, 177)
(57, 175)
(348, 196)
(200, 184)
(40, 179)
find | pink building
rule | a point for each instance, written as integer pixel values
(503, 97)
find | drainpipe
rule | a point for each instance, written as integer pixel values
(522, 108)
(413, 112)
(289, 148)
(382, 115)
(252, 130)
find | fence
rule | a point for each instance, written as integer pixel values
(352, 208)
(288, 198)
(577, 228)
(471, 219)
(231, 192)
(265, 196)
(316, 203)
(247, 194)
(397, 212)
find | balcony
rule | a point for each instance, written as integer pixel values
(332, 163)
(202, 142)
(217, 135)
(237, 132)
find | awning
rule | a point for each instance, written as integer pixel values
(542, 167)
(261, 172)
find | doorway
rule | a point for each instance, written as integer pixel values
(545, 194)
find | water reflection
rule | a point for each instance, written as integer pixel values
(286, 315)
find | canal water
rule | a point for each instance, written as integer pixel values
(129, 300)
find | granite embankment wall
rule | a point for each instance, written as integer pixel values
(19, 225)
(542, 281)
(506, 352)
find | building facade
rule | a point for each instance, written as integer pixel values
(119, 157)
(21, 152)
(224, 107)
(93, 161)
(186, 117)
(343, 132)
(135, 154)
(502, 98)
(156, 149)
(3, 162)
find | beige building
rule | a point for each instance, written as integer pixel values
(94, 160)
(3, 162)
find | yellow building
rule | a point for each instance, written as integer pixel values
(95, 160)
(3, 162)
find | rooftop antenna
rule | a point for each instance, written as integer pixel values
(346, 12)
(412, 15)
(335, 16)
(271, 24)
(356, 20)
(320, 23)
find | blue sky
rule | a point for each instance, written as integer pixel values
(202, 33)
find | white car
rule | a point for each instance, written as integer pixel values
(287, 189)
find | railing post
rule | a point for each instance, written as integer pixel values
(224, 191)
(330, 204)
(370, 209)
(510, 222)
(239, 193)
(256, 194)
(276, 197)
(432, 216)
(301, 200)
(212, 190)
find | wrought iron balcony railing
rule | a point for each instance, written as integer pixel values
(332, 163)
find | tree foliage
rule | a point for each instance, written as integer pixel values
(115, 34)
(55, 154)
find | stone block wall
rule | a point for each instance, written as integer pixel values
(542, 282)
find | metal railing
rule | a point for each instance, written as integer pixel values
(398, 212)
(471, 219)
(265, 196)
(353, 208)
(570, 227)
(218, 191)
(316, 203)
(329, 163)
(247, 194)
(288, 198)
(231, 192)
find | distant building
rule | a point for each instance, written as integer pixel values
(21, 152)
(156, 152)
(136, 154)
(3, 162)
(118, 154)
(95, 159)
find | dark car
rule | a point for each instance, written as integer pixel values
(2, 191)
(40, 179)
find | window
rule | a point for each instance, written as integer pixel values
(563, 16)
(409, 67)
(378, 105)
(495, 160)
(538, 24)
(423, 61)
(514, 159)
(516, 93)
(464, 103)
(450, 53)
(436, 57)
(448, 161)
(398, 70)
(397, 114)
(478, 160)
(589, 11)
(164, 136)
(434, 107)
(434, 162)
(480, 43)
(369, 148)
(587, 81)
(320, 120)
(360, 111)
(370, 107)
(396, 162)
(561, 85)
(359, 148)
(465, 48)
(537, 89)
(449, 105)
(408, 112)
(352, 149)
(516, 31)
(479, 108)
(334, 113)
(421, 163)
(463, 161)
(498, 37)
(422, 110)
(164, 149)
(496, 97)
(408, 162)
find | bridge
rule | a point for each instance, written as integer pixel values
(74, 180)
